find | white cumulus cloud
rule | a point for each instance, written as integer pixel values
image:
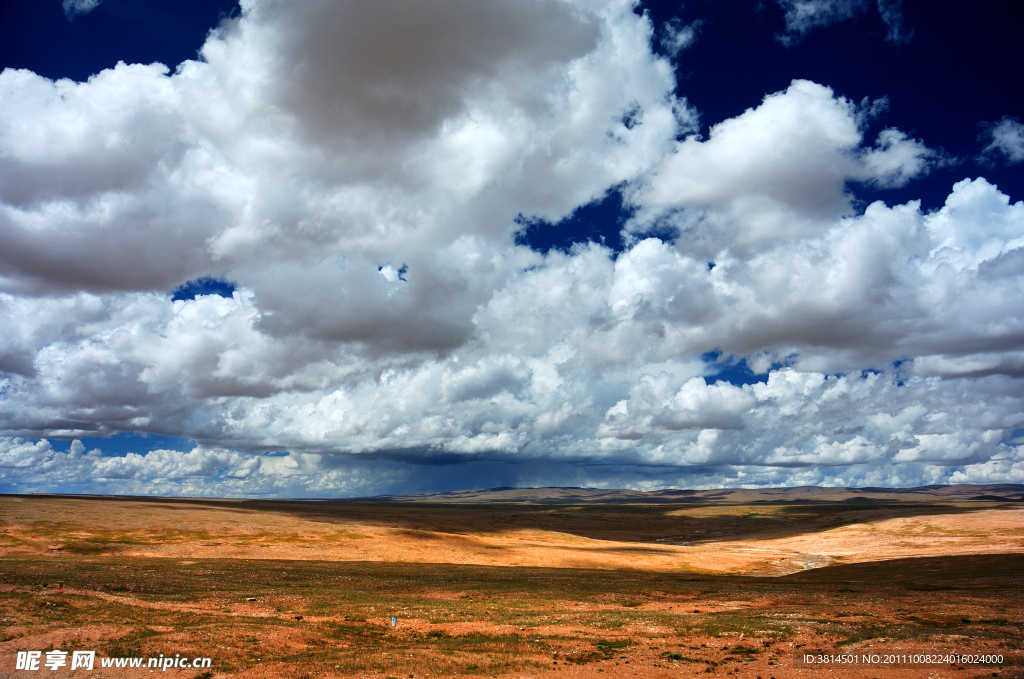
(677, 36)
(74, 7)
(774, 172)
(360, 171)
(1006, 138)
(803, 16)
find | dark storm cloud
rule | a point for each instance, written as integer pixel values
(380, 73)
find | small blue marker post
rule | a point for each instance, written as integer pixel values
(394, 621)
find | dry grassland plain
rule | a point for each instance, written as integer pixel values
(554, 582)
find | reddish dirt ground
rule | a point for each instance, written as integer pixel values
(306, 590)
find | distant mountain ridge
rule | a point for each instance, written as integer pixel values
(570, 495)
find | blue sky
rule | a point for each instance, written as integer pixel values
(347, 250)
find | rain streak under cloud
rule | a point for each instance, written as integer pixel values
(304, 251)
